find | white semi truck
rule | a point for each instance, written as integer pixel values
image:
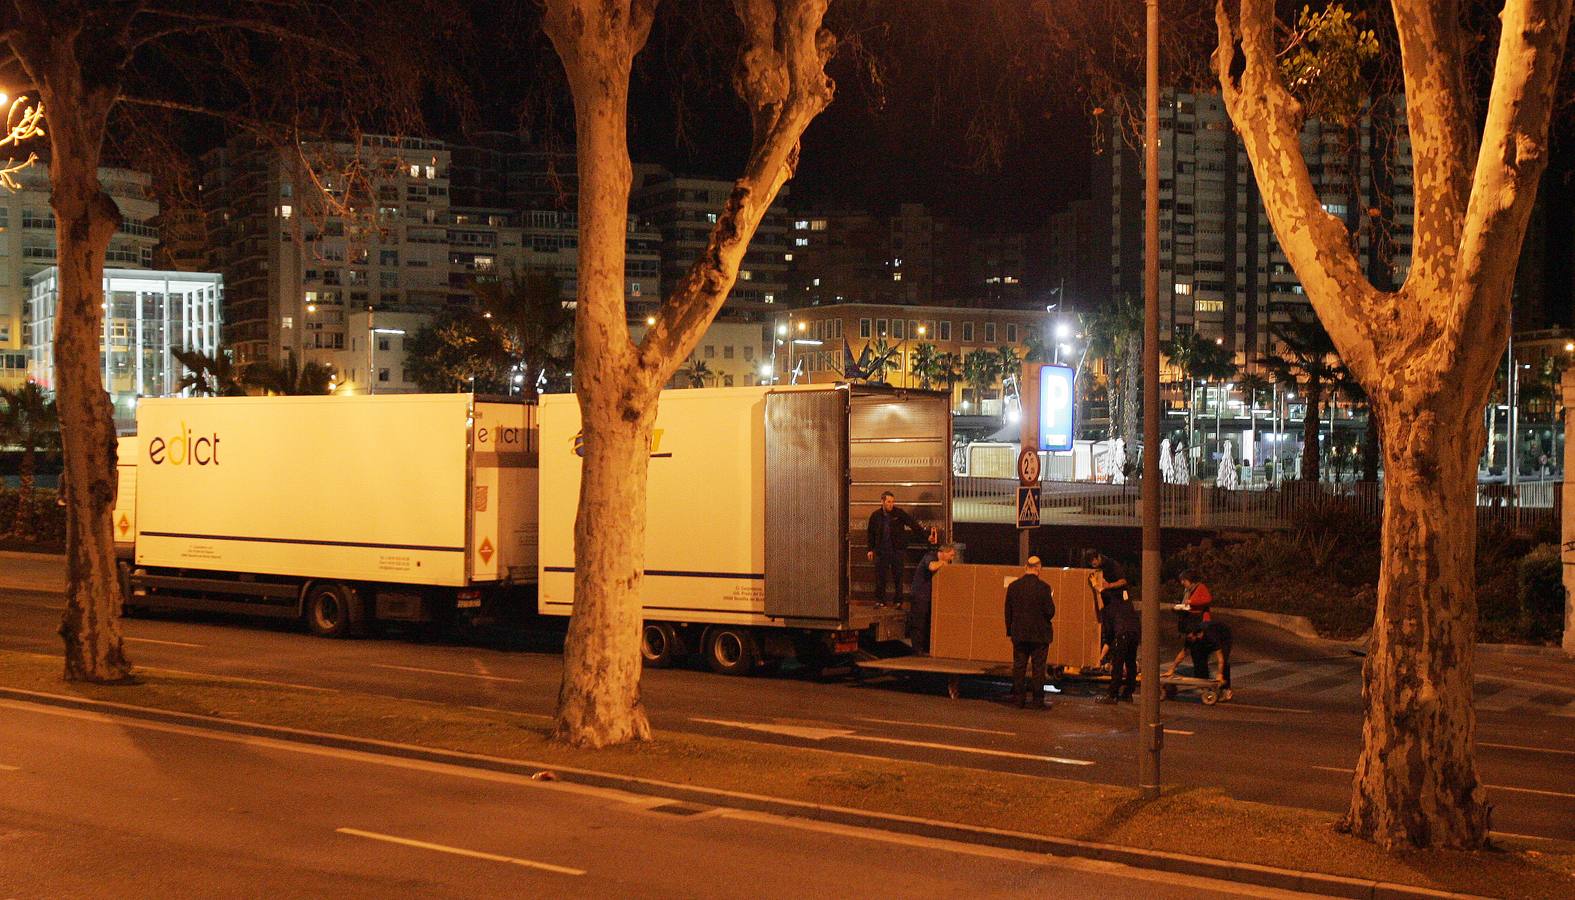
(337, 510)
(406, 507)
(757, 504)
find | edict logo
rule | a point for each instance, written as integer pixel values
(185, 449)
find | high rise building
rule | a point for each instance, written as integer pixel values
(27, 246)
(856, 256)
(1222, 272)
(302, 239)
(684, 210)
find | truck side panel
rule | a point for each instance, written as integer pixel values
(705, 532)
(503, 495)
(124, 517)
(351, 488)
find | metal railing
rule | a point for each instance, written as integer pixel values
(1205, 506)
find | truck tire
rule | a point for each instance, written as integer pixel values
(327, 609)
(732, 651)
(661, 646)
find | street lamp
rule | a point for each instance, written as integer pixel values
(801, 342)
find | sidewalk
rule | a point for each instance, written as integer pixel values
(24, 570)
(1252, 843)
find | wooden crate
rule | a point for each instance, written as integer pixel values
(968, 615)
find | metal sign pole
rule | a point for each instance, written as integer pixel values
(1151, 731)
(1028, 413)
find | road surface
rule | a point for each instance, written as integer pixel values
(1291, 735)
(99, 806)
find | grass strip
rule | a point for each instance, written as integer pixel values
(1189, 821)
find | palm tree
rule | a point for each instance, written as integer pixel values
(980, 369)
(1198, 358)
(1011, 364)
(537, 328)
(1116, 333)
(926, 364)
(289, 378)
(1307, 362)
(948, 370)
(30, 419)
(211, 376)
(877, 358)
(696, 373)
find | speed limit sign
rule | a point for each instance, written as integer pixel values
(1028, 466)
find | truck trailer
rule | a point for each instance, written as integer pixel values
(336, 510)
(757, 503)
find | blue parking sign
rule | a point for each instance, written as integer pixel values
(1057, 407)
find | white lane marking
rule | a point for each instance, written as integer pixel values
(6, 768)
(1000, 853)
(1524, 747)
(1296, 679)
(510, 712)
(1178, 731)
(933, 725)
(1491, 787)
(821, 734)
(165, 643)
(447, 672)
(1232, 704)
(460, 851)
(288, 684)
(1567, 709)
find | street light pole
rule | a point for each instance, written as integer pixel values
(1151, 731)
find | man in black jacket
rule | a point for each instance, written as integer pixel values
(1125, 628)
(1030, 615)
(889, 532)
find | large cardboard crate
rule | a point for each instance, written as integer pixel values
(968, 615)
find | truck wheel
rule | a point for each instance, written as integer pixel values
(661, 646)
(328, 609)
(732, 651)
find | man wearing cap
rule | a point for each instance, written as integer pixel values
(1030, 612)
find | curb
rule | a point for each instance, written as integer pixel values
(30, 554)
(1301, 626)
(1239, 872)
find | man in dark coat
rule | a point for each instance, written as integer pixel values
(1125, 629)
(889, 532)
(1030, 615)
(923, 580)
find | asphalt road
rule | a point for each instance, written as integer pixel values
(98, 806)
(1291, 735)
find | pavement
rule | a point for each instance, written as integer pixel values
(102, 806)
(1290, 737)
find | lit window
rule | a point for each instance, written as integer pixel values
(415, 171)
(431, 171)
(815, 282)
(1184, 289)
(801, 242)
(801, 225)
(817, 225)
(746, 275)
(771, 297)
(787, 257)
(286, 211)
(896, 276)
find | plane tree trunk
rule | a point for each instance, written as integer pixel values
(1425, 356)
(77, 95)
(781, 78)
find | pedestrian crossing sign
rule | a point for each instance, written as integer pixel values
(1028, 506)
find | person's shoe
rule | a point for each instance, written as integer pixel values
(1105, 699)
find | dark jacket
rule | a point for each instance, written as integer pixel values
(1121, 617)
(900, 522)
(1030, 610)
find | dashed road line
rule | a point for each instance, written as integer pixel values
(1525, 748)
(288, 684)
(1284, 709)
(1179, 731)
(460, 851)
(812, 733)
(6, 768)
(447, 672)
(934, 725)
(137, 640)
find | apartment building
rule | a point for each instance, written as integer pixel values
(27, 247)
(857, 256)
(303, 239)
(491, 242)
(1222, 272)
(684, 210)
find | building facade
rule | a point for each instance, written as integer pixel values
(683, 211)
(1222, 272)
(147, 316)
(27, 247)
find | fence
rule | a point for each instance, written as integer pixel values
(1206, 506)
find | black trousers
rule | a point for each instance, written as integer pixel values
(1123, 664)
(919, 622)
(888, 566)
(1202, 650)
(1029, 656)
